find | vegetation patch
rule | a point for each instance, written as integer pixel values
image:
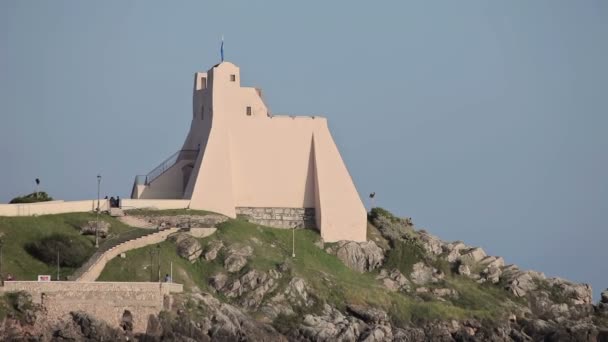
(18, 232)
(61, 249)
(404, 254)
(34, 197)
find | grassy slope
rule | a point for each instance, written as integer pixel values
(19, 231)
(330, 279)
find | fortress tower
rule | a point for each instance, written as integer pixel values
(281, 171)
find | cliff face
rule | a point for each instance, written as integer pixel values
(402, 285)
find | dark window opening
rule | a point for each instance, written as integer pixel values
(249, 111)
(233, 78)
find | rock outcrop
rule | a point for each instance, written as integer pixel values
(359, 256)
(92, 228)
(237, 258)
(188, 247)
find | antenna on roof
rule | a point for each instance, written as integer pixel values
(222, 48)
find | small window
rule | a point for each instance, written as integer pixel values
(203, 83)
(233, 78)
(249, 111)
(202, 112)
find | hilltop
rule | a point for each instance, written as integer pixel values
(404, 284)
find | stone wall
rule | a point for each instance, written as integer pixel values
(280, 217)
(104, 300)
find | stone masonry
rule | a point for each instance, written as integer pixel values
(104, 300)
(280, 217)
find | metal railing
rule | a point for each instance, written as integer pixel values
(166, 165)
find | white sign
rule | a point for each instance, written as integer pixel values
(44, 278)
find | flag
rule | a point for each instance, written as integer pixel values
(222, 49)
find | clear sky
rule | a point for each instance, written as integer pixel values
(484, 121)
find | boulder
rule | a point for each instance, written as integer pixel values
(492, 274)
(229, 323)
(576, 294)
(360, 256)
(330, 325)
(212, 249)
(189, 248)
(472, 256)
(423, 274)
(520, 282)
(377, 333)
(235, 263)
(237, 258)
(604, 297)
(464, 270)
(431, 244)
(394, 281)
(367, 313)
(218, 281)
(492, 261)
(90, 227)
(453, 250)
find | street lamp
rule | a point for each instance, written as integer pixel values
(158, 249)
(97, 223)
(98, 187)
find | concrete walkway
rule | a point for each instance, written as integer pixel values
(91, 270)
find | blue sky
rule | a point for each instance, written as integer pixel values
(484, 121)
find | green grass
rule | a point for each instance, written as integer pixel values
(331, 281)
(19, 231)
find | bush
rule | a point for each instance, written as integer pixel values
(72, 252)
(34, 197)
(404, 255)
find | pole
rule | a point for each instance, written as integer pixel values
(293, 243)
(97, 223)
(1, 276)
(57, 263)
(158, 246)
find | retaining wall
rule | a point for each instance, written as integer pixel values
(280, 217)
(51, 207)
(104, 300)
(159, 204)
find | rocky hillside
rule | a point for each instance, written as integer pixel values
(402, 285)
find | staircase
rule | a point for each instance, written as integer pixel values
(132, 239)
(166, 165)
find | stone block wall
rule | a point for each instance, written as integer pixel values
(279, 217)
(104, 300)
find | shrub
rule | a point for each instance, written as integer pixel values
(34, 197)
(72, 252)
(404, 255)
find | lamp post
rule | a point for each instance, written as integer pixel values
(37, 187)
(158, 249)
(371, 196)
(293, 242)
(97, 223)
(1, 276)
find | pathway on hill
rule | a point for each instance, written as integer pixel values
(91, 270)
